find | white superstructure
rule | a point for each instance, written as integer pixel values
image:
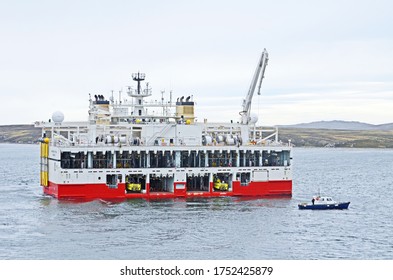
(148, 149)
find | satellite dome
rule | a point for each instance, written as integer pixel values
(58, 117)
(253, 118)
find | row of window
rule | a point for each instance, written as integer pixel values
(177, 159)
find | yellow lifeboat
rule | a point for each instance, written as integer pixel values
(221, 186)
(133, 187)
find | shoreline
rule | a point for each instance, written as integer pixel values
(300, 137)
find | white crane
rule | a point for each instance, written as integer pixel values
(258, 75)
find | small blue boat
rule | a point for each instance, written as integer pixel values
(323, 203)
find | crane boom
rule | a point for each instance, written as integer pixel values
(258, 75)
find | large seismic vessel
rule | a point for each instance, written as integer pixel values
(142, 149)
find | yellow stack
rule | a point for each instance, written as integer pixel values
(185, 110)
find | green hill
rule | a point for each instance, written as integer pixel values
(308, 137)
(19, 134)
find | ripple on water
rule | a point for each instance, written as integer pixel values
(34, 226)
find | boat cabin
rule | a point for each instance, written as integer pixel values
(323, 200)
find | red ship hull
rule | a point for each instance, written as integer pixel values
(101, 191)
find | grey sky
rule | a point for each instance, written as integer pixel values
(328, 59)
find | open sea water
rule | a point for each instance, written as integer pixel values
(34, 226)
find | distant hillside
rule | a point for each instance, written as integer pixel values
(310, 137)
(19, 133)
(342, 125)
(386, 126)
(300, 137)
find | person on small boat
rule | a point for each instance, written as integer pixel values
(312, 200)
